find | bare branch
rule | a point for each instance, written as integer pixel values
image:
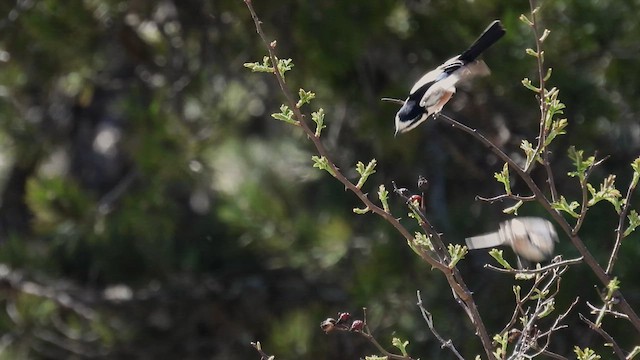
(584, 205)
(620, 228)
(429, 320)
(506, 197)
(535, 271)
(610, 341)
(395, 101)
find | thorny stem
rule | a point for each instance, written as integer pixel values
(453, 277)
(544, 108)
(620, 228)
(542, 199)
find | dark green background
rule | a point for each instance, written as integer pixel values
(143, 178)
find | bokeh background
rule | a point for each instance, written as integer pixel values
(150, 208)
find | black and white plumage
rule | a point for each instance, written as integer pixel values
(429, 94)
(531, 238)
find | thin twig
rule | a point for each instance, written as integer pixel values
(620, 228)
(428, 318)
(544, 107)
(392, 100)
(367, 334)
(585, 203)
(555, 327)
(503, 197)
(535, 271)
(615, 314)
(614, 345)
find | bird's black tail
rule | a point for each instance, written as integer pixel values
(492, 34)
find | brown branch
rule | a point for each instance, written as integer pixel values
(614, 345)
(452, 275)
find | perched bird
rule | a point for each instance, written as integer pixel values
(436, 87)
(531, 238)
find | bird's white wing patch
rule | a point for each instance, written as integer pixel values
(437, 90)
(431, 76)
(484, 241)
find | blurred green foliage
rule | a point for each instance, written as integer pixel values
(152, 208)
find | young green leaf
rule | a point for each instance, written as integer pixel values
(383, 195)
(545, 34)
(257, 67)
(305, 97)
(497, 254)
(635, 165)
(284, 65)
(531, 52)
(365, 171)
(525, 20)
(513, 209)
(548, 308)
(285, 115)
(361, 211)
(402, 346)
(501, 341)
(322, 163)
(375, 357)
(586, 354)
(569, 208)
(607, 192)
(581, 164)
(527, 83)
(633, 353)
(634, 222)
(530, 152)
(423, 241)
(318, 118)
(503, 177)
(457, 253)
(557, 128)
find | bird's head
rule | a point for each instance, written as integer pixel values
(410, 115)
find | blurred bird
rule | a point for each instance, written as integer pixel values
(531, 238)
(436, 87)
